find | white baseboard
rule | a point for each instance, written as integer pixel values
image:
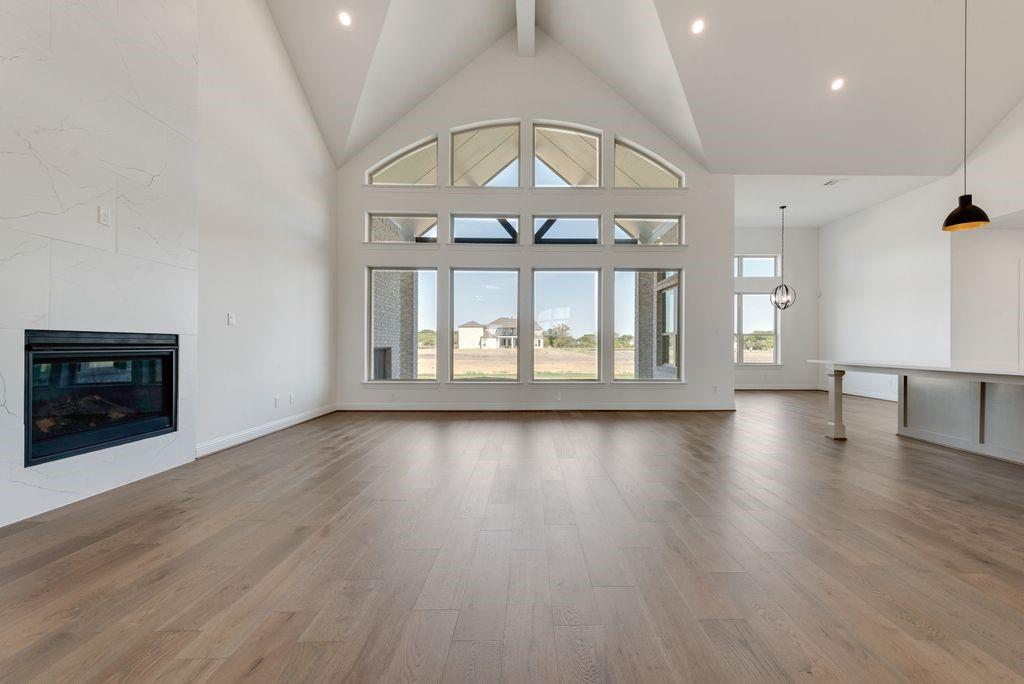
(227, 441)
(534, 406)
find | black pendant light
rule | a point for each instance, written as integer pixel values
(966, 216)
(783, 296)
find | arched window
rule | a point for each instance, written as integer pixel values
(486, 156)
(416, 166)
(565, 157)
(636, 169)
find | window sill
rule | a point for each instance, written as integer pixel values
(631, 248)
(569, 383)
(434, 384)
(648, 383)
(752, 366)
(400, 245)
(474, 383)
(401, 188)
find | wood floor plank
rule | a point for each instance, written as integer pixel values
(482, 613)
(535, 547)
(422, 650)
(473, 661)
(572, 595)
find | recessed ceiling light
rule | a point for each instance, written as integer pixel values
(838, 84)
(697, 26)
(345, 18)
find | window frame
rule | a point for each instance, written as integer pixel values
(368, 324)
(599, 323)
(678, 320)
(571, 128)
(482, 126)
(555, 216)
(452, 326)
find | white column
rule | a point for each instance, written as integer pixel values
(836, 429)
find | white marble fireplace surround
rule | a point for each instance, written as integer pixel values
(98, 111)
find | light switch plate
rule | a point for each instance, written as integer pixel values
(102, 216)
(231, 319)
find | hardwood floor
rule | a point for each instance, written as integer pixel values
(531, 547)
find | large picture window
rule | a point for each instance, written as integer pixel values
(755, 328)
(403, 324)
(486, 329)
(647, 315)
(565, 309)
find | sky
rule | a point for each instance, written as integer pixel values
(543, 176)
(483, 296)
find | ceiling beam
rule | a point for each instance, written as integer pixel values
(526, 23)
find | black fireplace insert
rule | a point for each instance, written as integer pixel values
(86, 391)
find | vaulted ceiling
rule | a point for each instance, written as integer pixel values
(750, 95)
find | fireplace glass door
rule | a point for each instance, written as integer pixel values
(96, 396)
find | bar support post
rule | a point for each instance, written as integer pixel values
(835, 428)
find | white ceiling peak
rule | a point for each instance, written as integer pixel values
(526, 27)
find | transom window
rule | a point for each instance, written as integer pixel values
(416, 166)
(495, 230)
(565, 158)
(636, 169)
(566, 230)
(403, 228)
(755, 266)
(486, 156)
(648, 230)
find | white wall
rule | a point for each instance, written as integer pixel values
(988, 297)
(798, 325)
(888, 273)
(266, 215)
(99, 110)
(553, 86)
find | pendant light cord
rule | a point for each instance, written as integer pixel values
(965, 96)
(782, 254)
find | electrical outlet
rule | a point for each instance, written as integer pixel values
(558, 397)
(277, 401)
(231, 319)
(102, 215)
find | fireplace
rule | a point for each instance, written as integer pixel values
(86, 391)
